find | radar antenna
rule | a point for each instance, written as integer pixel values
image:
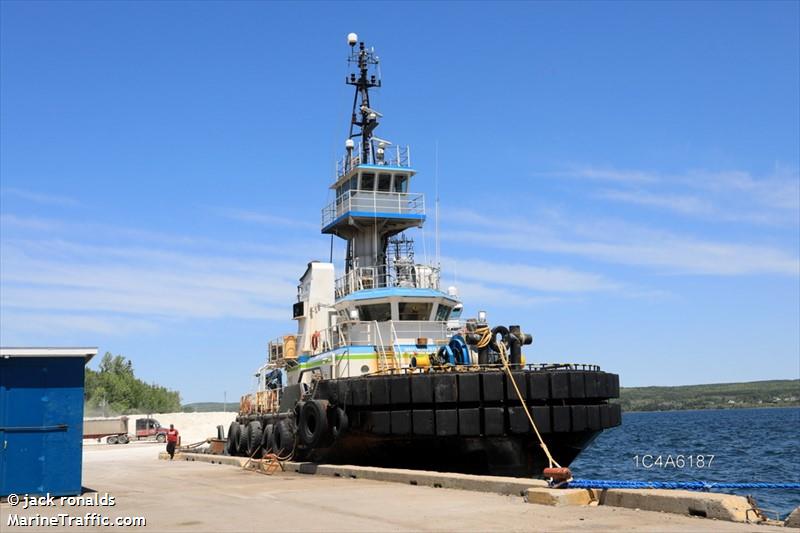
(364, 117)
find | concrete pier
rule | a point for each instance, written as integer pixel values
(198, 496)
(680, 502)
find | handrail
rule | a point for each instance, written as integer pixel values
(394, 156)
(403, 203)
(342, 334)
(419, 276)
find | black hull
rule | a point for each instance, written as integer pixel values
(469, 422)
(497, 456)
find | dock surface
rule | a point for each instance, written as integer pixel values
(199, 497)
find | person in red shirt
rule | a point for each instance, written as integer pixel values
(172, 441)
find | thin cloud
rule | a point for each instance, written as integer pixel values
(625, 244)
(45, 325)
(690, 205)
(167, 284)
(477, 295)
(243, 215)
(720, 196)
(40, 198)
(604, 174)
(695, 206)
(781, 190)
(543, 279)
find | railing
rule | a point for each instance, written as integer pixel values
(393, 156)
(409, 331)
(402, 203)
(384, 335)
(412, 276)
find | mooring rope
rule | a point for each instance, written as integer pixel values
(688, 485)
(502, 349)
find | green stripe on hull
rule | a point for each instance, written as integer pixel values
(354, 357)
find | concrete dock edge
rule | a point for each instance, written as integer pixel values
(700, 504)
(703, 504)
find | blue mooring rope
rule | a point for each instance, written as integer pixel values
(688, 485)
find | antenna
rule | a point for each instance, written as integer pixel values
(436, 186)
(363, 116)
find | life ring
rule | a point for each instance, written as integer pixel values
(315, 341)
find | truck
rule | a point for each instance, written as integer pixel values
(116, 430)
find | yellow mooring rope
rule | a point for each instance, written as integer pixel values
(502, 348)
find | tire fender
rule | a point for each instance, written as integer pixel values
(254, 435)
(283, 437)
(241, 449)
(313, 424)
(267, 441)
(234, 434)
(338, 422)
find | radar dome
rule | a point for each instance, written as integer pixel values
(352, 39)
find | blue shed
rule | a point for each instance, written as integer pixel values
(41, 419)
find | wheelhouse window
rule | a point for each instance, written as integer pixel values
(379, 312)
(456, 312)
(443, 312)
(414, 310)
(384, 182)
(367, 181)
(400, 183)
(341, 192)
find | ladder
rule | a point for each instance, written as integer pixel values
(387, 356)
(342, 340)
(396, 356)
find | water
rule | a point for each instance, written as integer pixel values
(747, 444)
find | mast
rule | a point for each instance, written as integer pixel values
(363, 116)
(373, 197)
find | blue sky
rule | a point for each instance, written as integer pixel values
(621, 179)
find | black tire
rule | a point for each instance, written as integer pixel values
(112, 439)
(338, 422)
(241, 449)
(161, 438)
(283, 437)
(123, 439)
(267, 443)
(254, 434)
(313, 425)
(234, 434)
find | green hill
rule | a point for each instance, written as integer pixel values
(208, 407)
(776, 393)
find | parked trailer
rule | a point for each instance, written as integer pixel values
(115, 430)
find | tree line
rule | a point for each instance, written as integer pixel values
(773, 393)
(113, 389)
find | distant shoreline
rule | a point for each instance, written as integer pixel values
(797, 406)
(748, 395)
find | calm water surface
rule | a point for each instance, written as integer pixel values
(747, 445)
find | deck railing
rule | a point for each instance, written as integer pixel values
(393, 156)
(388, 334)
(374, 202)
(378, 277)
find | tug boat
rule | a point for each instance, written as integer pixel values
(383, 369)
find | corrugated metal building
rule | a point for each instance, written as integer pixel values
(41, 419)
